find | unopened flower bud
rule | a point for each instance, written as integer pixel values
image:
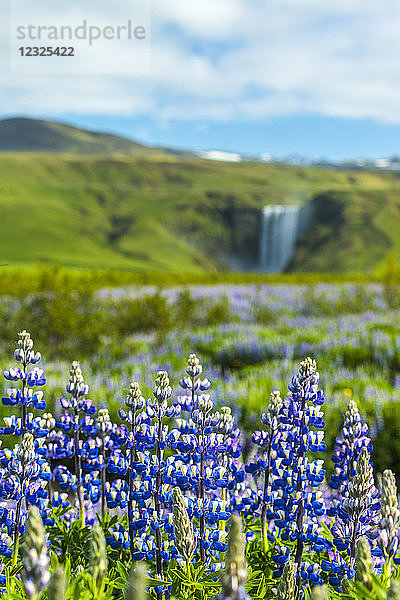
(307, 367)
(183, 529)
(390, 516)
(103, 420)
(194, 368)
(26, 450)
(25, 342)
(134, 399)
(36, 562)
(98, 555)
(48, 421)
(162, 390)
(287, 584)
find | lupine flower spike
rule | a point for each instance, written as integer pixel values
(135, 404)
(77, 390)
(36, 563)
(162, 393)
(202, 407)
(389, 524)
(354, 437)
(296, 504)
(25, 397)
(183, 529)
(230, 450)
(24, 471)
(104, 428)
(359, 510)
(268, 443)
(98, 560)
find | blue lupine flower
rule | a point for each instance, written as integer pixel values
(148, 493)
(21, 482)
(206, 459)
(136, 417)
(118, 538)
(354, 437)
(295, 504)
(229, 471)
(77, 422)
(264, 462)
(358, 512)
(25, 397)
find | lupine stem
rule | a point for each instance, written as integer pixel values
(300, 509)
(157, 505)
(264, 527)
(130, 505)
(49, 486)
(23, 413)
(103, 482)
(224, 496)
(17, 518)
(16, 533)
(78, 471)
(201, 496)
(353, 542)
(200, 493)
(24, 365)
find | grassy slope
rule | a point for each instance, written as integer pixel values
(163, 213)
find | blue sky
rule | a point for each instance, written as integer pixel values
(318, 79)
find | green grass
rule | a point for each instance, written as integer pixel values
(159, 213)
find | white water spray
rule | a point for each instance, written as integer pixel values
(280, 228)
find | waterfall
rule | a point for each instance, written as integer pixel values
(280, 227)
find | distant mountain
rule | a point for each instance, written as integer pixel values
(20, 134)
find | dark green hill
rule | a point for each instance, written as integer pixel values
(32, 135)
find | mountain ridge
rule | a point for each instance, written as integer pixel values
(24, 134)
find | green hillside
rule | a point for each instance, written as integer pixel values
(185, 214)
(88, 199)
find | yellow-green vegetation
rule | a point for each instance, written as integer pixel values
(38, 277)
(160, 212)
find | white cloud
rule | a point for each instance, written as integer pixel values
(220, 60)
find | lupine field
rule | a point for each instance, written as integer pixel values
(221, 441)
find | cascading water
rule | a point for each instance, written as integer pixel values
(280, 228)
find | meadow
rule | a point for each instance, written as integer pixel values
(171, 447)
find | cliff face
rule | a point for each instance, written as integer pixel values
(243, 225)
(348, 233)
(232, 237)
